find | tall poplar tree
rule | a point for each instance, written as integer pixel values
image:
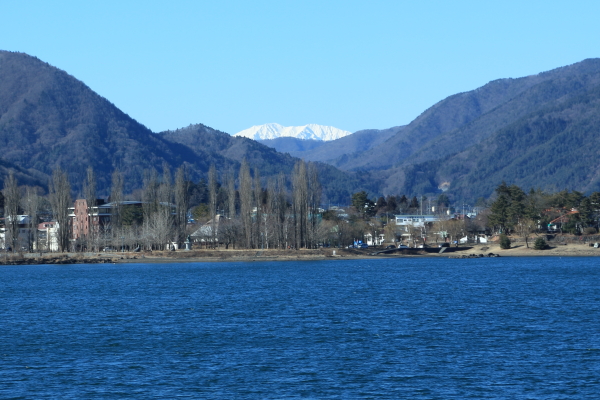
(31, 206)
(60, 201)
(231, 195)
(89, 192)
(12, 198)
(182, 201)
(300, 203)
(314, 202)
(212, 195)
(116, 197)
(246, 201)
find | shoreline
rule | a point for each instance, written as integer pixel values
(243, 255)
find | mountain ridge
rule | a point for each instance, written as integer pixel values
(540, 131)
(306, 132)
(50, 119)
(331, 152)
(471, 159)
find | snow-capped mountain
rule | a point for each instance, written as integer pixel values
(310, 131)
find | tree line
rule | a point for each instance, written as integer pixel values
(242, 210)
(514, 211)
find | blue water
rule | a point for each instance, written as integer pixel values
(502, 328)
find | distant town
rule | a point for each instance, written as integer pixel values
(242, 213)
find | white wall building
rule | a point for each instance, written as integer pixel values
(415, 221)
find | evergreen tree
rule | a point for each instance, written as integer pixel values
(540, 244)
(414, 203)
(443, 200)
(364, 207)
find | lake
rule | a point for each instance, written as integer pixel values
(498, 328)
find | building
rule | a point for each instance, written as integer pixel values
(83, 220)
(204, 234)
(47, 236)
(415, 221)
(24, 233)
(372, 240)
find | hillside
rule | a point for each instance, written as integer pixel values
(333, 152)
(554, 148)
(293, 146)
(543, 136)
(463, 119)
(537, 131)
(50, 119)
(206, 142)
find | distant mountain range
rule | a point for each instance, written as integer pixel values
(335, 151)
(540, 131)
(305, 132)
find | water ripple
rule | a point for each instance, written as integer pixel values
(449, 329)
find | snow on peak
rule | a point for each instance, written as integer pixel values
(310, 131)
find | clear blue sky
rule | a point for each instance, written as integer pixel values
(350, 64)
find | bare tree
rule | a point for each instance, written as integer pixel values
(166, 206)
(165, 192)
(150, 194)
(182, 201)
(212, 194)
(31, 206)
(280, 210)
(300, 203)
(158, 209)
(160, 226)
(231, 195)
(12, 198)
(314, 202)
(116, 197)
(258, 221)
(60, 200)
(230, 231)
(246, 201)
(271, 214)
(89, 192)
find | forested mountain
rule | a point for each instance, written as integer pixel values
(26, 177)
(463, 119)
(209, 143)
(50, 119)
(553, 148)
(538, 131)
(535, 131)
(336, 151)
(293, 145)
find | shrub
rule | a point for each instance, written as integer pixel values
(504, 242)
(540, 244)
(590, 231)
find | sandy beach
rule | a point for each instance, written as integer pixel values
(244, 255)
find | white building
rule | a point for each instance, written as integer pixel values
(23, 233)
(377, 241)
(415, 221)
